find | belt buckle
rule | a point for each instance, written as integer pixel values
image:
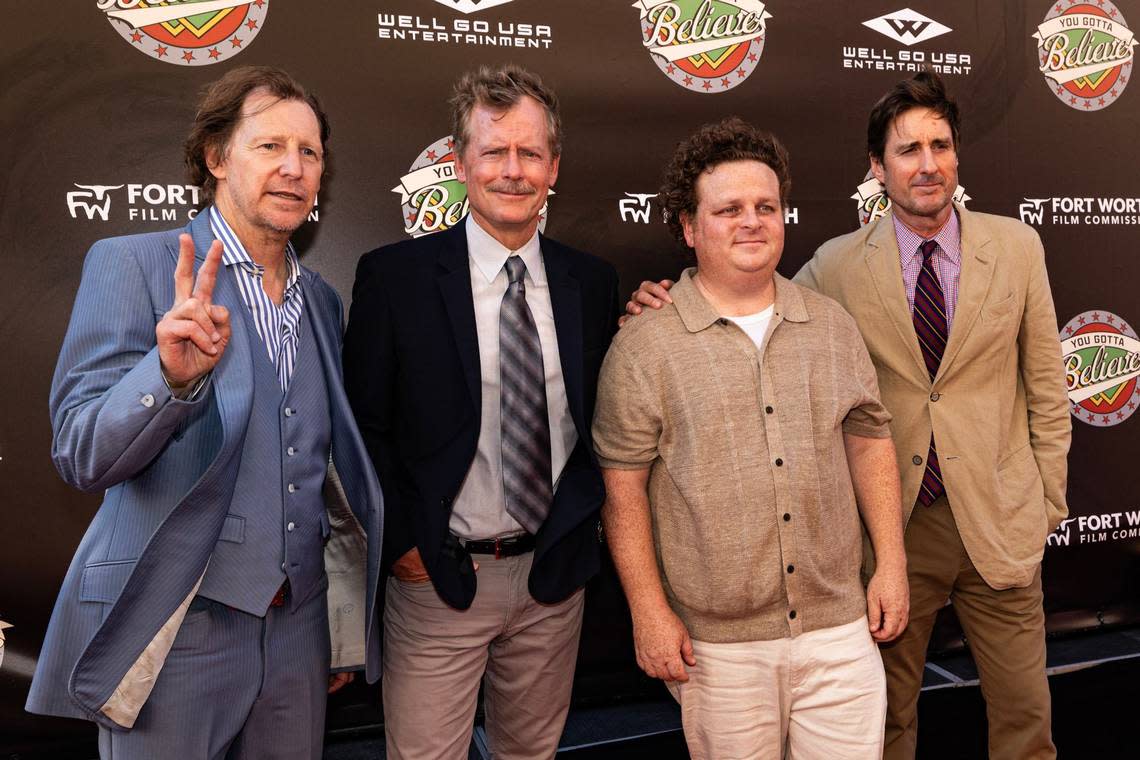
(498, 548)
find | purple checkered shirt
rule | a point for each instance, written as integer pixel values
(947, 261)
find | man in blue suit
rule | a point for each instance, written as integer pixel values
(195, 618)
(471, 359)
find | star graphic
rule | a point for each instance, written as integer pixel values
(251, 24)
(1100, 101)
(1131, 404)
(1058, 7)
(1092, 417)
(431, 155)
(1072, 101)
(688, 80)
(752, 58)
(707, 85)
(1123, 80)
(187, 56)
(1081, 320)
(1120, 415)
(1096, 316)
(136, 36)
(214, 53)
(1059, 89)
(670, 69)
(740, 73)
(450, 143)
(236, 41)
(1112, 13)
(1111, 319)
(1068, 330)
(259, 3)
(1088, 104)
(411, 217)
(1100, 3)
(161, 50)
(1113, 93)
(1104, 420)
(724, 82)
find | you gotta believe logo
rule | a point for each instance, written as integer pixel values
(1085, 52)
(1102, 363)
(194, 33)
(704, 45)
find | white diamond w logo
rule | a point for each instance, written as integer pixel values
(907, 26)
(471, 6)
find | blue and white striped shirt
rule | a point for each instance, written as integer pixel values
(278, 326)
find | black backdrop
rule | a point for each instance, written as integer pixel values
(92, 148)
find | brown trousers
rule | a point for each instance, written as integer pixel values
(435, 657)
(1006, 635)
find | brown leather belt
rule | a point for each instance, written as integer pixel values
(508, 546)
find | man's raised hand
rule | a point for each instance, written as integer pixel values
(193, 335)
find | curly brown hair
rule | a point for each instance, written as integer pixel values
(219, 112)
(732, 139)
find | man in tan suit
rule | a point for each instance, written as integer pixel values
(956, 311)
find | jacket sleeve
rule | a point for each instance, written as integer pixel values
(1042, 373)
(111, 410)
(370, 377)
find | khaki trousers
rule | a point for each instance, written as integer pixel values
(1006, 635)
(435, 656)
(818, 695)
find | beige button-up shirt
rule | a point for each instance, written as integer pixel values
(754, 518)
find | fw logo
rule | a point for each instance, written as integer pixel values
(1033, 210)
(907, 26)
(92, 200)
(635, 207)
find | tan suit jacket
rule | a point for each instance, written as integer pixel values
(998, 406)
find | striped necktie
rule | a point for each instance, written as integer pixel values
(527, 483)
(930, 326)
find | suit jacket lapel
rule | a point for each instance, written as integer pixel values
(455, 287)
(566, 302)
(973, 284)
(882, 257)
(233, 376)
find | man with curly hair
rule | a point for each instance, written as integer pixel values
(741, 437)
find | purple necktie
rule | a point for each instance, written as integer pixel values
(931, 328)
(527, 483)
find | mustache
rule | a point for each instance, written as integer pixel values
(516, 187)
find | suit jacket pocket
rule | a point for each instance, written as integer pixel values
(999, 309)
(103, 581)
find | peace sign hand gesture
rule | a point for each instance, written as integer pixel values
(193, 335)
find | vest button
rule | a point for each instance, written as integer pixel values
(290, 527)
(292, 488)
(768, 410)
(787, 517)
(288, 411)
(779, 462)
(792, 615)
(290, 451)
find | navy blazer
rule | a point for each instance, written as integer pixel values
(411, 359)
(168, 466)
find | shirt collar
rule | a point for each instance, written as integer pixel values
(697, 313)
(490, 255)
(949, 239)
(233, 252)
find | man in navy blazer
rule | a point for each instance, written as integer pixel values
(471, 359)
(195, 618)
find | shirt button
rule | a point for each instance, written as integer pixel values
(282, 565)
(787, 517)
(292, 488)
(935, 396)
(147, 401)
(290, 451)
(768, 410)
(792, 615)
(288, 411)
(290, 527)
(916, 459)
(791, 568)
(779, 462)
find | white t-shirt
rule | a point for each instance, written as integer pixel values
(755, 325)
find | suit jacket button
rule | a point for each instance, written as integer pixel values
(935, 396)
(916, 459)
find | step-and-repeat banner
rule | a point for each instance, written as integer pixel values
(98, 95)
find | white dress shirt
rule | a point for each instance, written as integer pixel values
(479, 511)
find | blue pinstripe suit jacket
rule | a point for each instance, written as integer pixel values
(168, 475)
